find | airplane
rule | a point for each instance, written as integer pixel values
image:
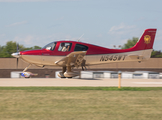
(71, 54)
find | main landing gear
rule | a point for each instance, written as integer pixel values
(67, 73)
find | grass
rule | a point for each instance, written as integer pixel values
(80, 103)
(83, 88)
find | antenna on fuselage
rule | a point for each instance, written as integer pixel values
(80, 38)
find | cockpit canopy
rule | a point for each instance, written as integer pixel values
(65, 46)
(50, 46)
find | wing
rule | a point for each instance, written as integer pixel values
(72, 59)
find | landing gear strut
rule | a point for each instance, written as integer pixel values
(26, 68)
(61, 74)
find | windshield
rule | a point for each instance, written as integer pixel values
(50, 46)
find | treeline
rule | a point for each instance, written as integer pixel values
(11, 47)
(156, 54)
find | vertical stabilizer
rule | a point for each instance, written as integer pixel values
(146, 41)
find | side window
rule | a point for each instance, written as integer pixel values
(79, 47)
(64, 47)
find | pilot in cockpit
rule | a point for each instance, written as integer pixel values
(63, 47)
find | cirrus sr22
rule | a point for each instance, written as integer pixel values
(70, 54)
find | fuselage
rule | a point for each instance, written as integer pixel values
(68, 54)
(48, 55)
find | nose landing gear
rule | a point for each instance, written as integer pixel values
(27, 74)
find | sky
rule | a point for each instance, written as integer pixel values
(101, 22)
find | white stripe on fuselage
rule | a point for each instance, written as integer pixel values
(90, 59)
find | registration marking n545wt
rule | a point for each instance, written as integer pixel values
(112, 57)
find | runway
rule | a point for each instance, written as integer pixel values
(22, 82)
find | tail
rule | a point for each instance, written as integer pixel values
(146, 41)
(143, 48)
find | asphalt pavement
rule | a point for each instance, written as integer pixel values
(20, 82)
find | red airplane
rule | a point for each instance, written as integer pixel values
(69, 54)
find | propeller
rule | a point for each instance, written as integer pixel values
(17, 57)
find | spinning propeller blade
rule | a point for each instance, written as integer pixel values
(17, 52)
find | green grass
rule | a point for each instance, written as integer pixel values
(83, 88)
(80, 103)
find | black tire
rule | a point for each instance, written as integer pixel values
(63, 77)
(27, 77)
(69, 77)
